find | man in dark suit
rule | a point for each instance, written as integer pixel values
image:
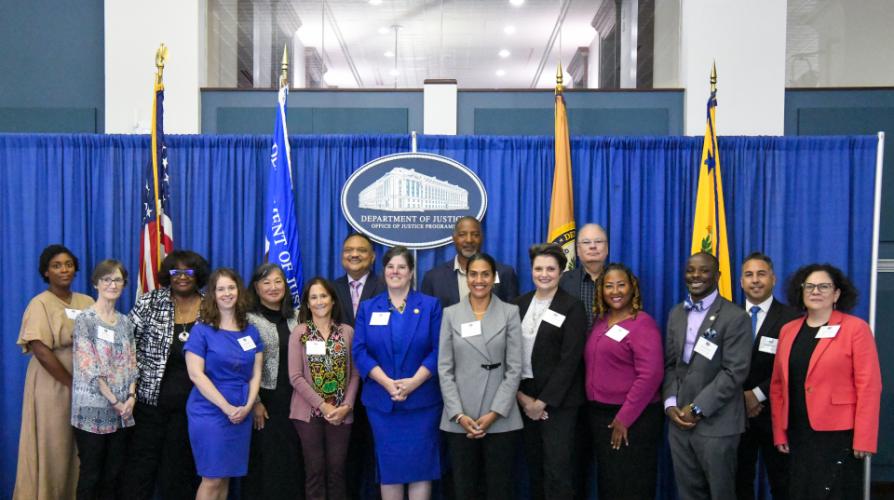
(706, 357)
(359, 283)
(447, 281)
(591, 244)
(767, 317)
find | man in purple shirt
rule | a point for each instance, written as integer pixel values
(706, 358)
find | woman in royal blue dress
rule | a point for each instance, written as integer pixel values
(396, 346)
(224, 355)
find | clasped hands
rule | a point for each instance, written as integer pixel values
(683, 418)
(125, 409)
(400, 389)
(477, 429)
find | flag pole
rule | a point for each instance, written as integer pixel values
(284, 68)
(160, 56)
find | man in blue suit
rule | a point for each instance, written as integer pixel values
(447, 281)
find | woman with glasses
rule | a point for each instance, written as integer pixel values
(104, 385)
(47, 465)
(826, 387)
(159, 456)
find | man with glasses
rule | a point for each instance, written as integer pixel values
(359, 282)
(592, 251)
(767, 316)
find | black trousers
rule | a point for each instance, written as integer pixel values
(159, 456)
(823, 466)
(549, 445)
(482, 468)
(758, 440)
(102, 458)
(630, 472)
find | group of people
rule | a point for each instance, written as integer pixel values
(205, 380)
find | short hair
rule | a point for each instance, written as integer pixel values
(465, 218)
(636, 301)
(358, 235)
(399, 251)
(710, 257)
(189, 259)
(106, 268)
(304, 314)
(208, 311)
(549, 250)
(759, 256)
(285, 307)
(48, 254)
(795, 293)
(486, 258)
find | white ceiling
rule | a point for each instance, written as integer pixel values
(457, 39)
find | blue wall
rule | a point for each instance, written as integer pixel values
(52, 57)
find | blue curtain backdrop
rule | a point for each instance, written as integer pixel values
(797, 199)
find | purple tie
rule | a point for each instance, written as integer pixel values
(355, 295)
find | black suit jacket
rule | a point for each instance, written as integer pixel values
(557, 359)
(440, 282)
(762, 362)
(374, 285)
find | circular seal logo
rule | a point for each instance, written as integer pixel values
(412, 199)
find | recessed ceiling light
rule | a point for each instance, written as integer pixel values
(379, 2)
(500, 72)
(514, 3)
(388, 53)
(384, 31)
(394, 72)
(504, 53)
(509, 29)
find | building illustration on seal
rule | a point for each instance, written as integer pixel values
(402, 189)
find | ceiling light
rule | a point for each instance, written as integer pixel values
(379, 2)
(514, 3)
(500, 72)
(384, 31)
(504, 53)
(388, 53)
(394, 72)
(509, 29)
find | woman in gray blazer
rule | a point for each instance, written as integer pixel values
(479, 368)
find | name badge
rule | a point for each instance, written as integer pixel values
(379, 318)
(617, 333)
(104, 333)
(316, 348)
(247, 343)
(553, 318)
(470, 329)
(72, 313)
(496, 278)
(827, 332)
(768, 345)
(706, 348)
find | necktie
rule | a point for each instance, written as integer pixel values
(689, 305)
(754, 311)
(355, 295)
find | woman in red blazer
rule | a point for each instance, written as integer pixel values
(826, 387)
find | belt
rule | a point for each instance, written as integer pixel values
(492, 367)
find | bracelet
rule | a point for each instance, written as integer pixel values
(116, 402)
(458, 419)
(132, 395)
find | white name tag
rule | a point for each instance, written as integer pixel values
(768, 345)
(72, 313)
(104, 333)
(379, 318)
(828, 331)
(316, 348)
(706, 348)
(553, 318)
(617, 333)
(470, 329)
(496, 278)
(247, 343)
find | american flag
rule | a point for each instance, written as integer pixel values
(157, 235)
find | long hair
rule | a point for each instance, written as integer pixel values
(209, 312)
(636, 301)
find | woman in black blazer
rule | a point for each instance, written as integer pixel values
(554, 332)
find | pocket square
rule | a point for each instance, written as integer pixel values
(710, 333)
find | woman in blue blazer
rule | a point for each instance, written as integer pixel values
(396, 346)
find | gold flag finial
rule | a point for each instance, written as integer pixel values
(559, 87)
(284, 68)
(714, 77)
(161, 55)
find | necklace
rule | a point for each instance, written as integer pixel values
(186, 311)
(183, 334)
(399, 308)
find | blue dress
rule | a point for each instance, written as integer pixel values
(220, 448)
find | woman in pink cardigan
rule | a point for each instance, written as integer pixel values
(325, 384)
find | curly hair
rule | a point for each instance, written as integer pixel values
(186, 258)
(304, 313)
(210, 313)
(795, 293)
(636, 301)
(48, 254)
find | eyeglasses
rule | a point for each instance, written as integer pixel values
(182, 272)
(821, 287)
(586, 243)
(109, 281)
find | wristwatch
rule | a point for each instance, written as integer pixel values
(695, 410)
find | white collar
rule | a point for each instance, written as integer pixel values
(765, 305)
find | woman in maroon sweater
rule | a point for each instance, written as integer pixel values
(624, 366)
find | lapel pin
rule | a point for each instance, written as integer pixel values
(712, 318)
(416, 311)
